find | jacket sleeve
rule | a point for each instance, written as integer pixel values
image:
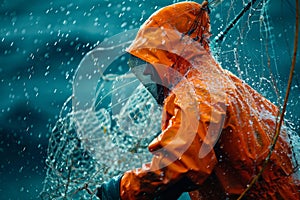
(177, 151)
(109, 190)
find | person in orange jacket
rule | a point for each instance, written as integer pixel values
(216, 130)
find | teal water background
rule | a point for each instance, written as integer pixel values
(41, 45)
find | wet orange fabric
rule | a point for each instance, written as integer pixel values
(216, 129)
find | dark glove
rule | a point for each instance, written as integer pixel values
(110, 190)
(175, 191)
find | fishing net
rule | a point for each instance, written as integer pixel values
(96, 136)
(102, 131)
(77, 161)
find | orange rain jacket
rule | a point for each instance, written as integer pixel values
(216, 129)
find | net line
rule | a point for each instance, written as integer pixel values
(76, 161)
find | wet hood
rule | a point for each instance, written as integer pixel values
(171, 39)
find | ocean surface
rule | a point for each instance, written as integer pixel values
(43, 42)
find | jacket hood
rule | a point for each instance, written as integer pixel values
(172, 37)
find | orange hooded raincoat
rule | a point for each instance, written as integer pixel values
(216, 129)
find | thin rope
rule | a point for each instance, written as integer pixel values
(279, 124)
(220, 37)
